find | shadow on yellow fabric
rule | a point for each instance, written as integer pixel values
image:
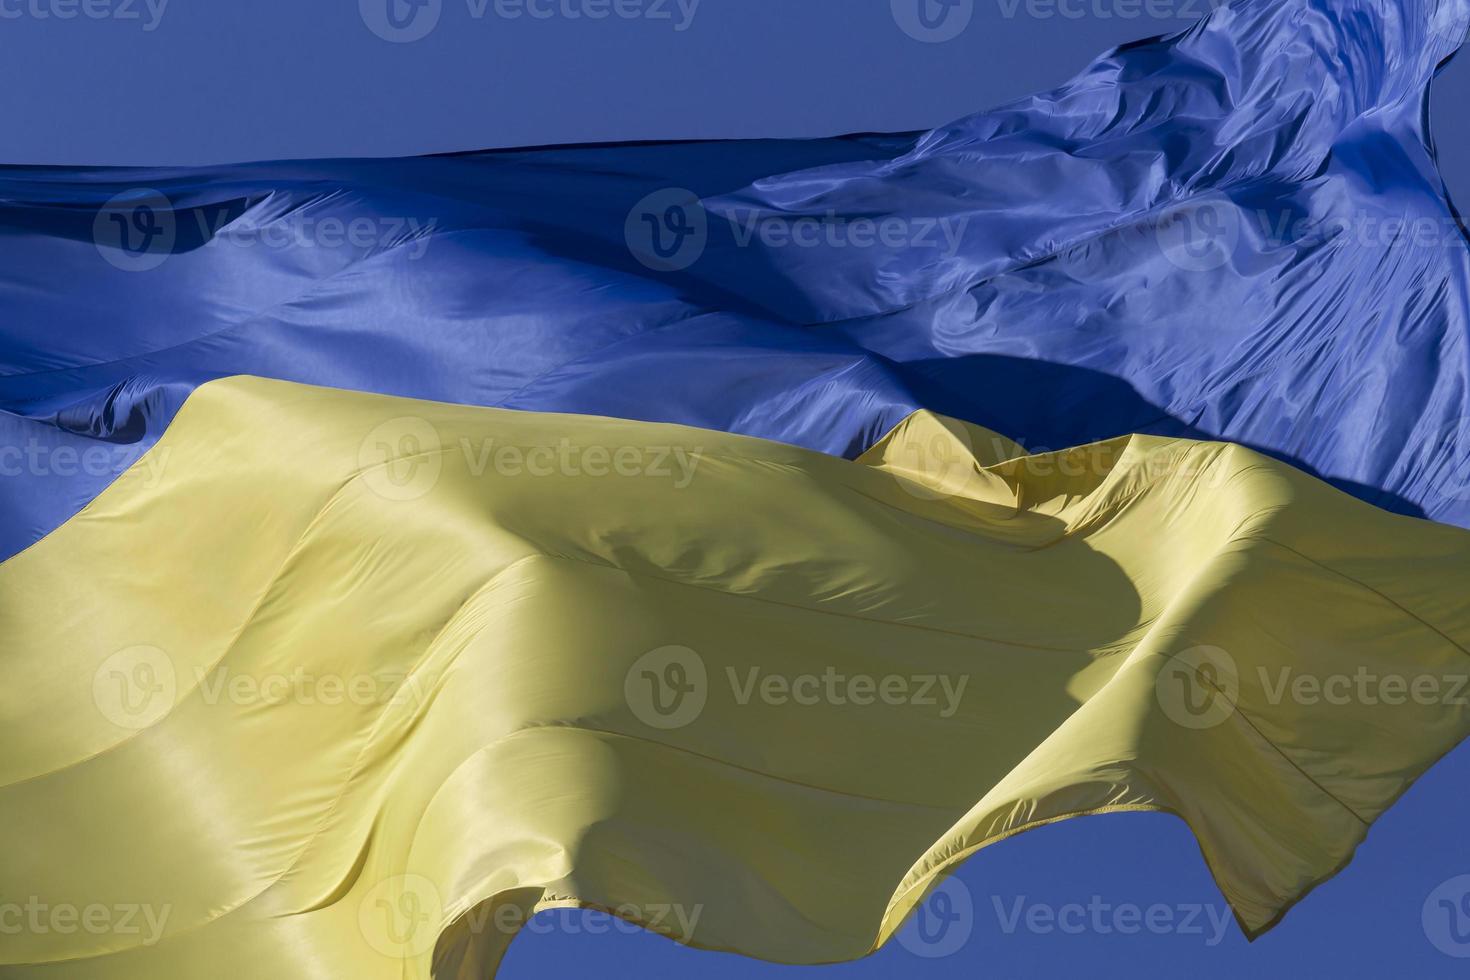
(340, 684)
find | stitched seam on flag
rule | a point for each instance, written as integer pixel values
(597, 563)
(1366, 587)
(1245, 717)
(816, 609)
(347, 782)
(296, 547)
(909, 804)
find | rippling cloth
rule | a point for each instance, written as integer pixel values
(395, 673)
(1237, 232)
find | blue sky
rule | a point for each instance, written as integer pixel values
(182, 81)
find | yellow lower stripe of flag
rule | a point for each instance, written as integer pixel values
(340, 682)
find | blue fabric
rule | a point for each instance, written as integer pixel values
(1237, 232)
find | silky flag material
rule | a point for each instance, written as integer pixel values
(356, 683)
(1237, 232)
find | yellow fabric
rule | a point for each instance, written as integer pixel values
(508, 626)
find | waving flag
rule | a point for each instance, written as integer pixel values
(359, 598)
(1235, 233)
(401, 671)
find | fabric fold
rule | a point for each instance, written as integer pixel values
(1234, 233)
(397, 673)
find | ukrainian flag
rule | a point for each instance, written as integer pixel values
(752, 530)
